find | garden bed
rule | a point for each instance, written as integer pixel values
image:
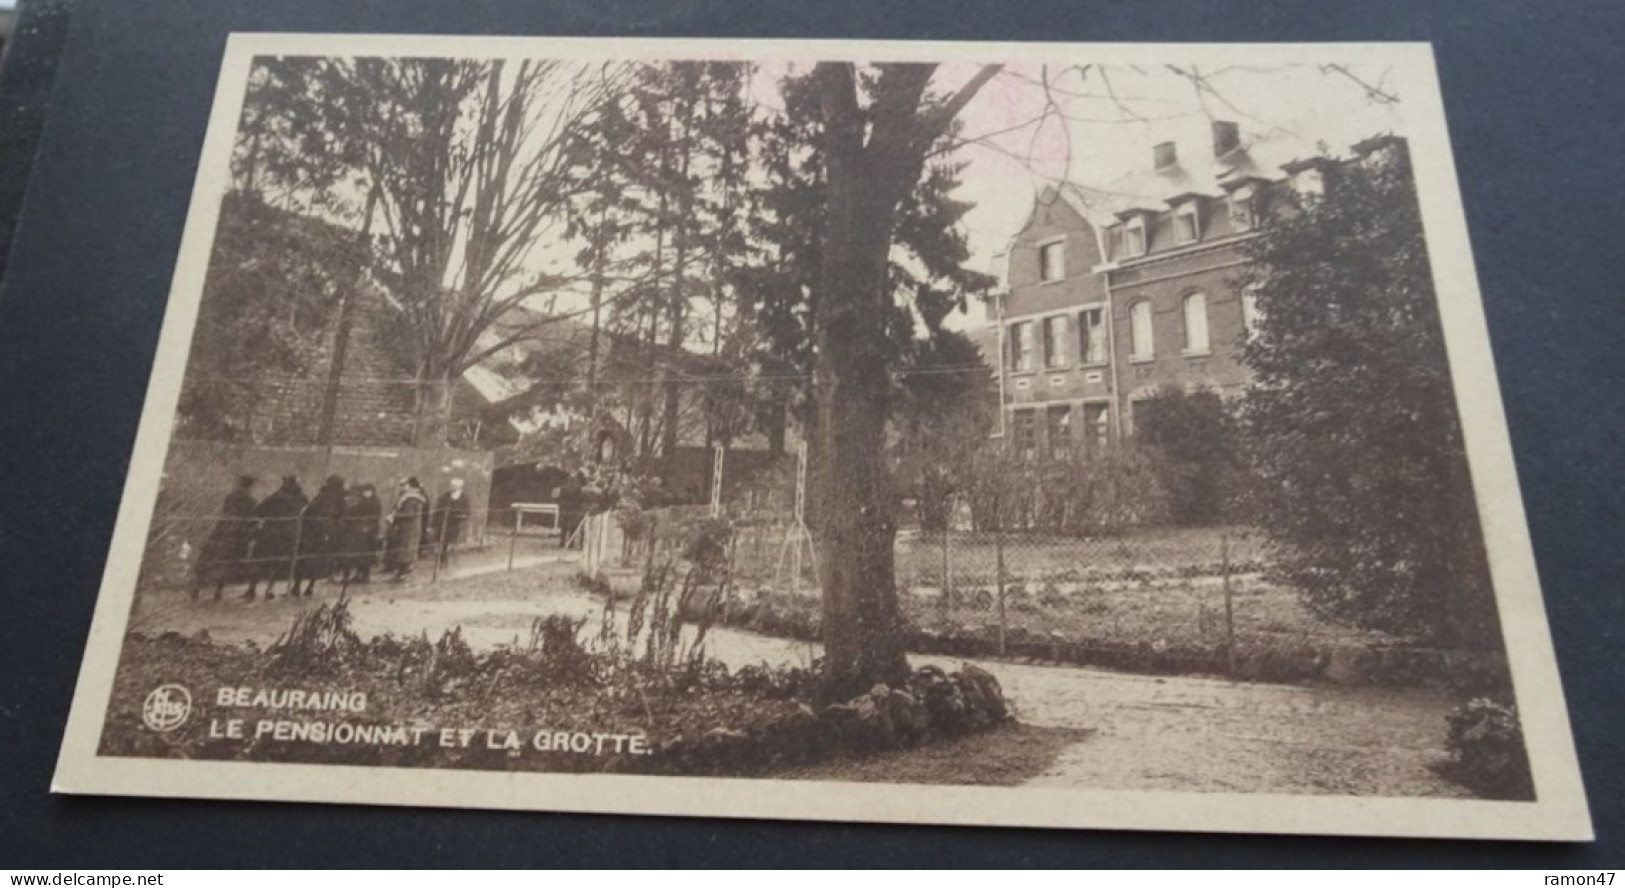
(322, 695)
(1076, 630)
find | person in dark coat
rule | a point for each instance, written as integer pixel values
(406, 528)
(362, 516)
(320, 533)
(277, 536)
(451, 513)
(223, 557)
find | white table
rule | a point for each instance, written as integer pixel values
(522, 509)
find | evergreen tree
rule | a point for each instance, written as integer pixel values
(1351, 421)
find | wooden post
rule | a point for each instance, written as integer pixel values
(1229, 613)
(716, 479)
(513, 538)
(947, 580)
(439, 553)
(293, 564)
(998, 546)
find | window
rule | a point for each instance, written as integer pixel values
(1195, 310)
(1310, 184)
(1091, 336)
(1055, 341)
(1058, 428)
(1024, 432)
(1139, 318)
(1249, 312)
(1134, 237)
(1243, 209)
(1052, 261)
(1187, 226)
(1021, 346)
(1144, 414)
(1096, 426)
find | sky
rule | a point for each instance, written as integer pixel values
(1113, 117)
(1093, 126)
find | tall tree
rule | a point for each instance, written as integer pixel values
(684, 158)
(1351, 419)
(947, 409)
(464, 162)
(874, 153)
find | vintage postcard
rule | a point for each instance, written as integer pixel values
(1043, 434)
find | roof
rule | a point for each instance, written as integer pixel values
(1196, 172)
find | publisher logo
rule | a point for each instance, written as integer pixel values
(167, 707)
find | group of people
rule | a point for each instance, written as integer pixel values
(340, 533)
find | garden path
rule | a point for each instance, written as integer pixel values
(1144, 732)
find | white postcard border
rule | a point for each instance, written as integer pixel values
(1560, 812)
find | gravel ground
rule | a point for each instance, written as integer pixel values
(1093, 729)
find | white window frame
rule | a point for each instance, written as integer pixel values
(1084, 358)
(1059, 245)
(1056, 355)
(1250, 316)
(1188, 209)
(1243, 208)
(1149, 352)
(1310, 183)
(1022, 345)
(1050, 410)
(1192, 348)
(1098, 438)
(1030, 414)
(1136, 227)
(1019, 345)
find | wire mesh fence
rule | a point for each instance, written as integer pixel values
(1156, 600)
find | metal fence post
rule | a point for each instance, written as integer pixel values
(998, 549)
(1229, 610)
(293, 565)
(439, 555)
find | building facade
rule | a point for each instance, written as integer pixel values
(1113, 294)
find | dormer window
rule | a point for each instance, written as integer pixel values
(1128, 238)
(1052, 261)
(1308, 178)
(1243, 202)
(1309, 183)
(1187, 223)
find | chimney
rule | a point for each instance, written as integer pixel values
(1163, 155)
(1226, 137)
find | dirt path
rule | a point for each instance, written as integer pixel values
(1189, 734)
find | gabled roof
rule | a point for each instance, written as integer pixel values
(1150, 190)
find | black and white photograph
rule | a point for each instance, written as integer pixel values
(1056, 435)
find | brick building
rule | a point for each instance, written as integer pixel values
(1114, 293)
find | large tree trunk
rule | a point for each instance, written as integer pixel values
(432, 416)
(873, 158)
(862, 644)
(861, 621)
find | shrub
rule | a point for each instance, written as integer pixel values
(1195, 455)
(1487, 750)
(1075, 491)
(318, 641)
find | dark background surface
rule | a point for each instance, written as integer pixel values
(1533, 98)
